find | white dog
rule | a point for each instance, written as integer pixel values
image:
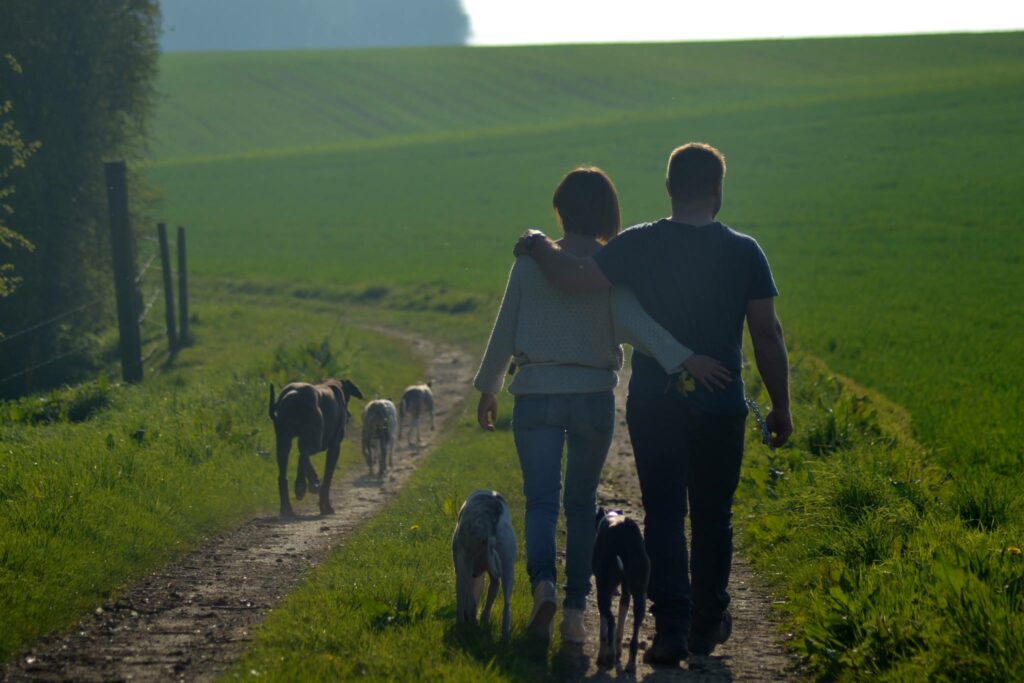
(380, 425)
(484, 541)
(417, 401)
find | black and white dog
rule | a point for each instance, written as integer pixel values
(484, 541)
(620, 561)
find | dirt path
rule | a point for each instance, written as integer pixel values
(756, 650)
(191, 620)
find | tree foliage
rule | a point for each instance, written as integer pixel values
(85, 92)
(14, 152)
(290, 24)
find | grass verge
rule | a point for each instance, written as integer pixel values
(101, 483)
(895, 569)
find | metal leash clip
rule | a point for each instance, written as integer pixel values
(766, 435)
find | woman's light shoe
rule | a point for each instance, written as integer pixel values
(573, 629)
(543, 615)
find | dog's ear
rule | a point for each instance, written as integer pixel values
(351, 390)
(430, 383)
(336, 389)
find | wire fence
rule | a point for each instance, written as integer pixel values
(150, 238)
(77, 309)
(142, 273)
(149, 305)
(37, 366)
(50, 321)
(160, 329)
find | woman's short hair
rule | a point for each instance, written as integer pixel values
(586, 203)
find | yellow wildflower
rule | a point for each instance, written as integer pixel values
(685, 384)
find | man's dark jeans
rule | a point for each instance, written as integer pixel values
(681, 450)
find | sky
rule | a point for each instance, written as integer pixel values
(498, 22)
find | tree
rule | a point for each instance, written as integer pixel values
(292, 24)
(86, 93)
(14, 152)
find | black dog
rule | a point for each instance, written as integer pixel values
(620, 561)
(316, 414)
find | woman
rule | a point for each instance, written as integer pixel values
(566, 349)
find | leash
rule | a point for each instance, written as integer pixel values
(766, 435)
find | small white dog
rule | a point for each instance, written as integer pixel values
(484, 541)
(417, 401)
(380, 425)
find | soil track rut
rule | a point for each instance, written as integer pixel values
(191, 620)
(756, 650)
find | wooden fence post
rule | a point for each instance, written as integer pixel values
(165, 263)
(182, 288)
(123, 248)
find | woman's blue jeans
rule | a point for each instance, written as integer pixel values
(542, 424)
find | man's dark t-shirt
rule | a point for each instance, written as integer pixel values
(696, 282)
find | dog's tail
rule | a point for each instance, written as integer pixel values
(401, 414)
(493, 559)
(271, 411)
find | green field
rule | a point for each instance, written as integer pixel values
(880, 176)
(877, 174)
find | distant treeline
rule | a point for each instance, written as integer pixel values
(291, 24)
(76, 88)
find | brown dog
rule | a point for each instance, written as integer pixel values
(317, 415)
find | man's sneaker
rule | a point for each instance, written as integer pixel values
(543, 614)
(668, 649)
(573, 629)
(703, 640)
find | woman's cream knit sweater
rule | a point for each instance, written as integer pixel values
(568, 343)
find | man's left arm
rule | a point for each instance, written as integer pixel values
(562, 269)
(773, 364)
(769, 345)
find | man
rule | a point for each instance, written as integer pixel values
(700, 280)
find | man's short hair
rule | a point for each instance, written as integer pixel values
(586, 203)
(695, 171)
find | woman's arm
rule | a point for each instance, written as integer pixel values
(634, 326)
(500, 349)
